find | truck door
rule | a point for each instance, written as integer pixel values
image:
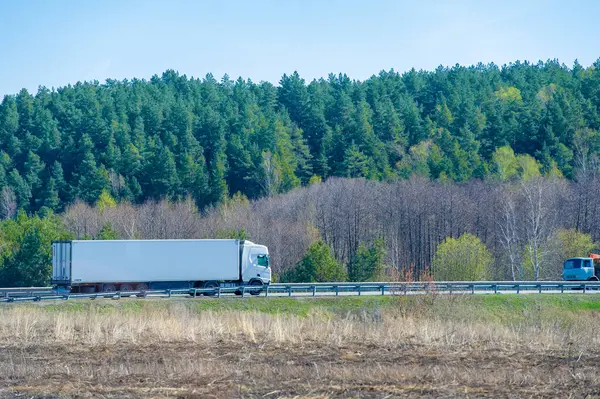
(257, 264)
(61, 262)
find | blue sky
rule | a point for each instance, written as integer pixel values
(54, 43)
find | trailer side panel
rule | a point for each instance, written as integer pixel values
(154, 260)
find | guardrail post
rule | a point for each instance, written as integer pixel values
(539, 288)
(383, 290)
(584, 287)
(314, 288)
(495, 288)
(169, 292)
(358, 289)
(289, 290)
(267, 291)
(243, 291)
(472, 288)
(219, 293)
(336, 290)
(450, 289)
(562, 288)
(518, 288)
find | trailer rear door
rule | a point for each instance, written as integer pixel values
(61, 262)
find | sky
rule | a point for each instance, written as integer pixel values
(60, 42)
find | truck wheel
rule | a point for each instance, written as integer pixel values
(88, 289)
(210, 285)
(256, 283)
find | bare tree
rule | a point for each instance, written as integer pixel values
(509, 232)
(270, 174)
(8, 203)
(413, 216)
(83, 220)
(540, 204)
(586, 160)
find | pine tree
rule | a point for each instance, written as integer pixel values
(65, 193)
(194, 180)
(49, 197)
(33, 168)
(90, 179)
(367, 263)
(161, 175)
(356, 163)
(318, 265)
(107, 232)
(21, 189)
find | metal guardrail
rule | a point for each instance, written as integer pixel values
(318, 289)
(24, 291)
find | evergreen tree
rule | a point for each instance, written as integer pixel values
(49, 197)
(107, 232)
(318, 265)
(445, 124)
(90, 179)
(367, 263)
(21, 189)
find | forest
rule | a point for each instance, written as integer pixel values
(173, 137)
(389, 167)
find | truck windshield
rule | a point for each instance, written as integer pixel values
(263, 260)
(573, 264)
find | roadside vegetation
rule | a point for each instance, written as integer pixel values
(313, 239)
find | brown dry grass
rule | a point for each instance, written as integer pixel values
(174, 351)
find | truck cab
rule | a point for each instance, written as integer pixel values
(255, 263)
(581, 269)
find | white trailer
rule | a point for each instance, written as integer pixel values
(89, 266)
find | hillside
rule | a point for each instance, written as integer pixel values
(173, 137)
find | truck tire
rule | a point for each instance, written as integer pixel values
(109, 288)
(256, 283)
(87, 289)
(125, 288)
(143, 287)
(210, 285)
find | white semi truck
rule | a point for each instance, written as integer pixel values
(88, 266)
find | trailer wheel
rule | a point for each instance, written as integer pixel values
(125, 288)
(143, 287)
(109, 288)
(256, 283)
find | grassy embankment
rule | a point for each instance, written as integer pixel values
(506, 345)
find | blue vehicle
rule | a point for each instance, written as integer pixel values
(582, 269)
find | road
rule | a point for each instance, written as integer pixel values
(331, 290)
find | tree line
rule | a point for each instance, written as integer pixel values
(350, 229)
(173, 137)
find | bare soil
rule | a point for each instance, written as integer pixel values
(225, 369)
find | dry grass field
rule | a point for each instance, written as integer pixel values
(528, 346)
